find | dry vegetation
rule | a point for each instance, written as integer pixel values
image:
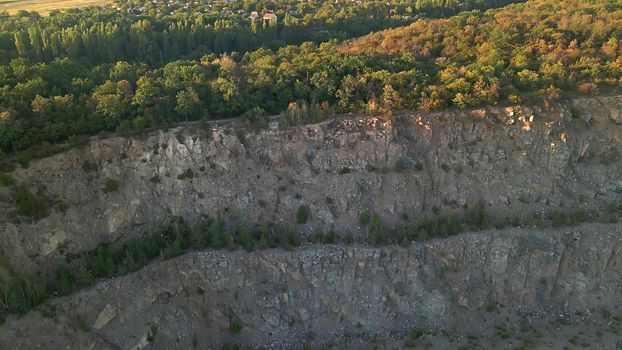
(44, 7)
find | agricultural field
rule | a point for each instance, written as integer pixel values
(44, 7)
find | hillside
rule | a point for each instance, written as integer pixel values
(256, 174)
(540, 47)
(424, 177)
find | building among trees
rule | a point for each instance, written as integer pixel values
(270, 16)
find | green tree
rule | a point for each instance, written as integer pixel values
(188, 103)
(302, 214)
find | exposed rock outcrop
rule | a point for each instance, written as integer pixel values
(315, 294)
(517, 160)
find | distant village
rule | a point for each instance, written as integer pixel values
(172, 7)
(227, 8)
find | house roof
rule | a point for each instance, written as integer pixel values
(270, 16)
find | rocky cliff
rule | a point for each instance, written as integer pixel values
(517, 160)
(354, 296)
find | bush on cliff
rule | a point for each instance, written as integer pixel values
(303, 213)
(30, 205)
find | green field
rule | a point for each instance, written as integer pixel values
(45, 6)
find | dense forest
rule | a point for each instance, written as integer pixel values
(541, 48)
(157, 32)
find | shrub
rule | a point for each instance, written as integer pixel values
(364, 218)
(302, 215)
(75, 140)
(246, 240)
(415, 334)
(153, 330)
(349, 238)
(188, 174)
(88, 166)
(442, 226)
(23, 159)
(235, 326)
(195, 340)
(476, 218)
(22, 293)
(575, 113)
(324, 238)
(155, 179)
(377, 231)
(62, 284)
(538, 220)
(559, 218)
(256, 118)
(85, 277)
(62, 207)
(344, 170)
(6, 180)
(30, 205)
(221, 238)
(491, 306)
(269, 236)
(111, 186)
(124, 127)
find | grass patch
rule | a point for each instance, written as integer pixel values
(302, 214)
(111, 186)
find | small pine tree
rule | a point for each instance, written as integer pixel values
(246, 240)
(302, 215)
(377, 232)
(364, 218)
(62, 281)
(85, 277)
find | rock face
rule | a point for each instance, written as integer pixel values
(517, 161)
(314, 294)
